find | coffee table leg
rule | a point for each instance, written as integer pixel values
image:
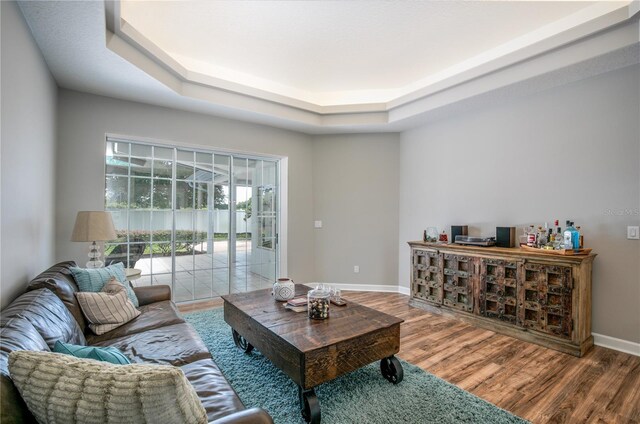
(310, 405)
(241, 342)
(391, 369)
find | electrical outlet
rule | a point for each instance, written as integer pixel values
(633, 232)
(317, 224)
(356, 269)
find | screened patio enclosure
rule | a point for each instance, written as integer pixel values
(203, 222)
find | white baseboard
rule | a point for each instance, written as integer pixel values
(366, 287)
(609, 342)
(616, 344)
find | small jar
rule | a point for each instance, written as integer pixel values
(432, 235)
(318, 303)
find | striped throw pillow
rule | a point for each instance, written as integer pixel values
(108, 309)
(93, 280)
(58, 388)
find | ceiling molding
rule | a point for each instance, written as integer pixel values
(561, 44)
(85, 55)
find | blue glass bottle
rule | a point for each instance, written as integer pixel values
(575, 237)
(568, 236)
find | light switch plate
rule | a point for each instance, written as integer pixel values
(633, 232)
(317, 224)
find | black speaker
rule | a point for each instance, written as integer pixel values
(506, 236)
(458, 230)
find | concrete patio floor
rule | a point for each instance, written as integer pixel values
(205, 275)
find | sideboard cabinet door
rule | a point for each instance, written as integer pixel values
(427, 279)
(545, 298)
(498, 296)
(458, 275)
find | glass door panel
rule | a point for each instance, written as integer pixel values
(241, 217)
(220, 224)
(203, 237)
(184, 222)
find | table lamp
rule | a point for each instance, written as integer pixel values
(92, 226)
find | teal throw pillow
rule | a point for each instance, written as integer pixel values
(104, 354)
(93, 280)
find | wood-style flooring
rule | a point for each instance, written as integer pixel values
(533, 382)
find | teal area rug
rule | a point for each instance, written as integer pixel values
(363, 396)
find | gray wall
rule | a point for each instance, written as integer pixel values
(355, 194)
(573, 152)
(28, 154)
(84, 119)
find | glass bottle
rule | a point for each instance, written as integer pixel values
(542, 237)
(558, 242)
(568, 235)
(575, 238)
(581, 243)
(531, 237)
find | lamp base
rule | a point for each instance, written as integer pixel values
(94, 255)
(93, 264)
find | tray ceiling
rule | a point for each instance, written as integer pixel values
(321, 66)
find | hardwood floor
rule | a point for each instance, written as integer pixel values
(533, 382)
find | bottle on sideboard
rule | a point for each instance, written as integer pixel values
(558, 242)
(531, 237)
(542, 237)
(571, 237)
(581, 237)
(575, 238)
(567, 236)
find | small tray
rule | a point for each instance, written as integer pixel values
(561, 252)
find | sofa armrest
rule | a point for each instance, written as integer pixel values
(151, 294)
(248, 416)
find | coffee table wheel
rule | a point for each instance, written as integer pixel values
(391, 369)
(310, 406)
(241, 342)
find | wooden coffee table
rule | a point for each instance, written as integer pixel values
(313, 352)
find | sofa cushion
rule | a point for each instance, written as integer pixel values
(104, 354)
(59, 389)
(216, 394)
(93, 280)
(15, 334)
(48, 315)
(177, 344)
(152, 294)
(60, 281)
(154, 315)
(108, 309)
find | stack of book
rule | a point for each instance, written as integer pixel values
(297, 304)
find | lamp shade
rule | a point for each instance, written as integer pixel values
(93, 226)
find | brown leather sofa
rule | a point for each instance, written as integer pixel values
(48, 311)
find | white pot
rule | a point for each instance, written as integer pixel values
(284, 289)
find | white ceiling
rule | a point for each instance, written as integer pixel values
(323, 66)
(326, 52)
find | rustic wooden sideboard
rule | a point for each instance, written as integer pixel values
(537, 297)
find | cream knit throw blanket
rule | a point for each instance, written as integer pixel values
(59, 388)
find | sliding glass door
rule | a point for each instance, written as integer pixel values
(203, 222)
